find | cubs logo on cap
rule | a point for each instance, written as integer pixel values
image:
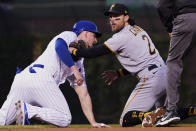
(117, 9)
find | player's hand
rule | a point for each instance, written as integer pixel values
(80, 44)
(109, 76)
(78, 76)
(100, 125)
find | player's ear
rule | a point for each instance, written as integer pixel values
(84, 37)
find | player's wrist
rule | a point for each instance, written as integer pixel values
(74, 52)
(92, 122)
(74, 68)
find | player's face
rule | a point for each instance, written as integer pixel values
(90, 39)
(117, 22)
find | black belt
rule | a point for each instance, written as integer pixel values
(151, 67)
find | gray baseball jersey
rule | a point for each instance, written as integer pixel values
(136, 52)
(38, 86)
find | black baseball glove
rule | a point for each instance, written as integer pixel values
(78, 45)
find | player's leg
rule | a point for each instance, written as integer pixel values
(138, 106)
(47, 102)
(181, 44)
(147, 94)
(139, 102)
(8, 111)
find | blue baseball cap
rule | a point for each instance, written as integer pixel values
(86, 26)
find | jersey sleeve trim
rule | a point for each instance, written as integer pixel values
(111, 49)
(120, 72)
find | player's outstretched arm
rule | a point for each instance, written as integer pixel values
(86, 105)
(92, 52)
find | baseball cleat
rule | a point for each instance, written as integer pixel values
(170, 117)
(152, 118)
(21, 113)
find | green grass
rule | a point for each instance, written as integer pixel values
(50, 126)
(87, 125)
(29, 126)
(78, 126)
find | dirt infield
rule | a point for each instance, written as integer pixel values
(109, 129)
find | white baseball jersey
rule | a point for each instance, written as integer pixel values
(54, 65)
(137, 54)
(40, 89)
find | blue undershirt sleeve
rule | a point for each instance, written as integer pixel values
(63, 53)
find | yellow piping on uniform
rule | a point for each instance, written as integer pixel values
(110, 49)
(74, 52)
(141, 87)
(120, 72)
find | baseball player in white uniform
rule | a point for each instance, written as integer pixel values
(35, 90)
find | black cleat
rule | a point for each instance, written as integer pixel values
(170, 117)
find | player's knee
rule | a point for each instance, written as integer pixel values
(66, 121)
(129, 119)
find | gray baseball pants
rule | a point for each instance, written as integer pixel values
(182, 42)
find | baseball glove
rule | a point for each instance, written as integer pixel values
(78, 45)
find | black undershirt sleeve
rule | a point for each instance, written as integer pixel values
(96, 51)
(93, 52)
(125, 72)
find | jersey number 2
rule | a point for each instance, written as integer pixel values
(135, 30)
(151, 51)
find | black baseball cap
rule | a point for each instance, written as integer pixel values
(117, 8)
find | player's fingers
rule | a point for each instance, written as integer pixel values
(105, 73)
(79, 81)
(107, 80)
(96, 125)
(109, 83)
(100, 125)
(103, 76)
(105, 126)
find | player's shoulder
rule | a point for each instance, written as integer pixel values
(135, 30)
(121, 35)
(69, 34)
(118, 35)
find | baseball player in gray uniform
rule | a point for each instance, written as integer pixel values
(137, 54)
(35, 90)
